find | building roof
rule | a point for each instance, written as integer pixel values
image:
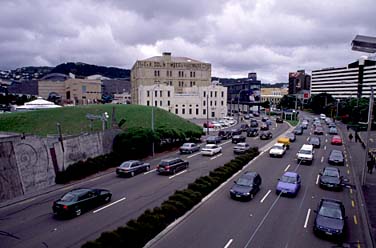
(55, 77)
(173, 59)
(39, 103)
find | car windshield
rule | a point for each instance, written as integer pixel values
(125, 165)
(244, 181)
(68, 197)
(305, 152)
(330, 212)
(186, 145)
(287, 179)
(277, 147)
(331, 173)
(336, 155)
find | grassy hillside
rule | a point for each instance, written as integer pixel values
(73, 119)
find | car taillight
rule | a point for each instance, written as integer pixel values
(167, 167)
(65, 207)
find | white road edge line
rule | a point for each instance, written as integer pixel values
(307, 218)
(263, 199)
(191, 156)
(109, 205)
(216, 156)
(228, 243)
(324, 147)
(177, 174)
(307, 138)
(322, 159)
(150, 171)
(317, 179)
(287, 167)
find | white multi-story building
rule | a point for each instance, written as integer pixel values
(191, 102)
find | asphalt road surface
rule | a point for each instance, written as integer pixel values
(30, 223)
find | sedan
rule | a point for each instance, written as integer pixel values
(238, 138)
(289, 184)
(189, 148)
(77, 201)
(246, 186)
(336, 157)
(213, 140)
(241, 148)
(264, 126)
(330, 219)
(291, 136)
(333, 130)
(314, 141)
(318, 130)
(330, 178)
(211, 149)
(131, 168)
(252, 132)
(298, 130)
(278, 150)
(265, 135)
(336, 140)
(279, 120)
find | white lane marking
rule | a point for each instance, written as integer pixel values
(94, 179)
(324, 147)
(255, 138)
(287, 167)
(177, 174)
(307, 218)
(322, 159)
(307, 138)
(317, 179)
(150, 171)
(109, 205)
(225, 142)
(228, 243)
(191, 156)
(326, 140)
(216, 156)
(263, 199)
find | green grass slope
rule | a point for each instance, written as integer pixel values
(73, 119)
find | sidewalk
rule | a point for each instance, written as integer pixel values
(356, 151)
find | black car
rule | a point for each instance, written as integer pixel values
(318, 130)
(77, 201)
(291, 136)
(189, 148)
(298, 130)
(131, 168)
(314, 141)
(254, 123)
(279, 120)
(236, 131)
(264, 126)
(265, 135)
(224, 134)
(246, 186)
(330, 178)
(238, 138)
(330, 219)
(256, 114)
(264, 119)
(171, 165)
(213, 140)
(244, 127)
(252, 132)
(336, 157)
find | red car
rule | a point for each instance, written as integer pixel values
(210, 125)
(336, 140)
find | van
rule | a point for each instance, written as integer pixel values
(285, 141)
(305, 154)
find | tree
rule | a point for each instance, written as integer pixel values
(289, 102)
(321, 103)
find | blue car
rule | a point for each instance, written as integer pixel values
(289, 184)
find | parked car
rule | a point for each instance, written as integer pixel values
(333, 130)
(330, 220)
(336, 140)
(246, 186)
(289, 184)
(265, 135)
(213, 140)
(254, 123)
(211, 149)
(252, 132)
(241, 148)
(238, 139)
(279, 120)
(131, 168)
(264, 126)
(244, 127)
(172, 165)
(298, 130)
(336, 158)
(224, 123)
(315, 141)
(318, 130)
(277, 150)
(208, 125)
(330, 178)
(77, 201)
(291, 136)
(189, 148)
(224, 134)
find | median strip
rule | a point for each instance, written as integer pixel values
(109, 205)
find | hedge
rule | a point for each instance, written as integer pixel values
(138, 232)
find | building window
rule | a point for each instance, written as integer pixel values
(190, 111)
(156, 103)
(155, 93)
(204, 103)
(223, 94)
(160, 93)
(83, 89)
(148, 93)
(147, 103)
(211, 93)
(176, 111)
(221, 103)
(211, 103)
(204, 93)
(194, 83)
(191, 83)
(196, 111)
(215, 94)
(215, 103)
(212, 114)
(168, 93)
(204, 111)
(168, 103)
(160, 103)
(183, 111)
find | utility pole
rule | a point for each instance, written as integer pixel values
(370, 111)
(207, 113)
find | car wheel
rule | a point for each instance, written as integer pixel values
(78, 212)
(132, 174)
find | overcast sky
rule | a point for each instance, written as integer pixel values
(270, 37)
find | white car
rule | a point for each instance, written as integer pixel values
(278, 150)
(216, 124)
(224, 123)
(211, 149)
(322, 116)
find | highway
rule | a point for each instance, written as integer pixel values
(269, 220)
(30, 223)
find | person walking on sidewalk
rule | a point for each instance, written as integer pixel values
(370, 166)
(357, 138)
(350, 137)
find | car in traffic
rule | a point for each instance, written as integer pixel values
(264, 118)
(265, 135)
(264, 126)
(247, 186)
(253, 123)
(304, 125)
(284, 140)
(279, 119)
(78, 201)
(332, 124)
(236, 131)
(189, 148)
(322, 116)
(252, 132)
(289, 184)
(305, 154)
(336, 140)
(132, 167)
(298, 130)
(247, 116)
(256, 113)
(319, 130)
(211, 149)
(172, 165)
(238, 138)
(330, 220)
(244, 127)
(213, 140)
(269, 122)
(314, 141)
(317, 123)
(241, 148)
(208, 125)
(330, 178)
(291, 136)
(333, 130)
(336, 157)
(225, 134)
(277, 150)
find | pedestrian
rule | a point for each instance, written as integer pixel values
(357, 138)
(350, 137)
(370, 166)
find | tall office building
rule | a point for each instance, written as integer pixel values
(299, 82)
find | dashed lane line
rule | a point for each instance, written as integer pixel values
(287, 167)
(150, 171)
(317, 179)
(324, 147)
(191, 156)
(266, 195)
(307, 218)
(216, 156)
(322, 159)
(177, 174)
(228, 243)
(355, 220)
(353, 203)
(109, 205)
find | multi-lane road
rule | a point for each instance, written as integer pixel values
(30, 223)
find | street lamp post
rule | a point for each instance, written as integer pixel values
(207, 113)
